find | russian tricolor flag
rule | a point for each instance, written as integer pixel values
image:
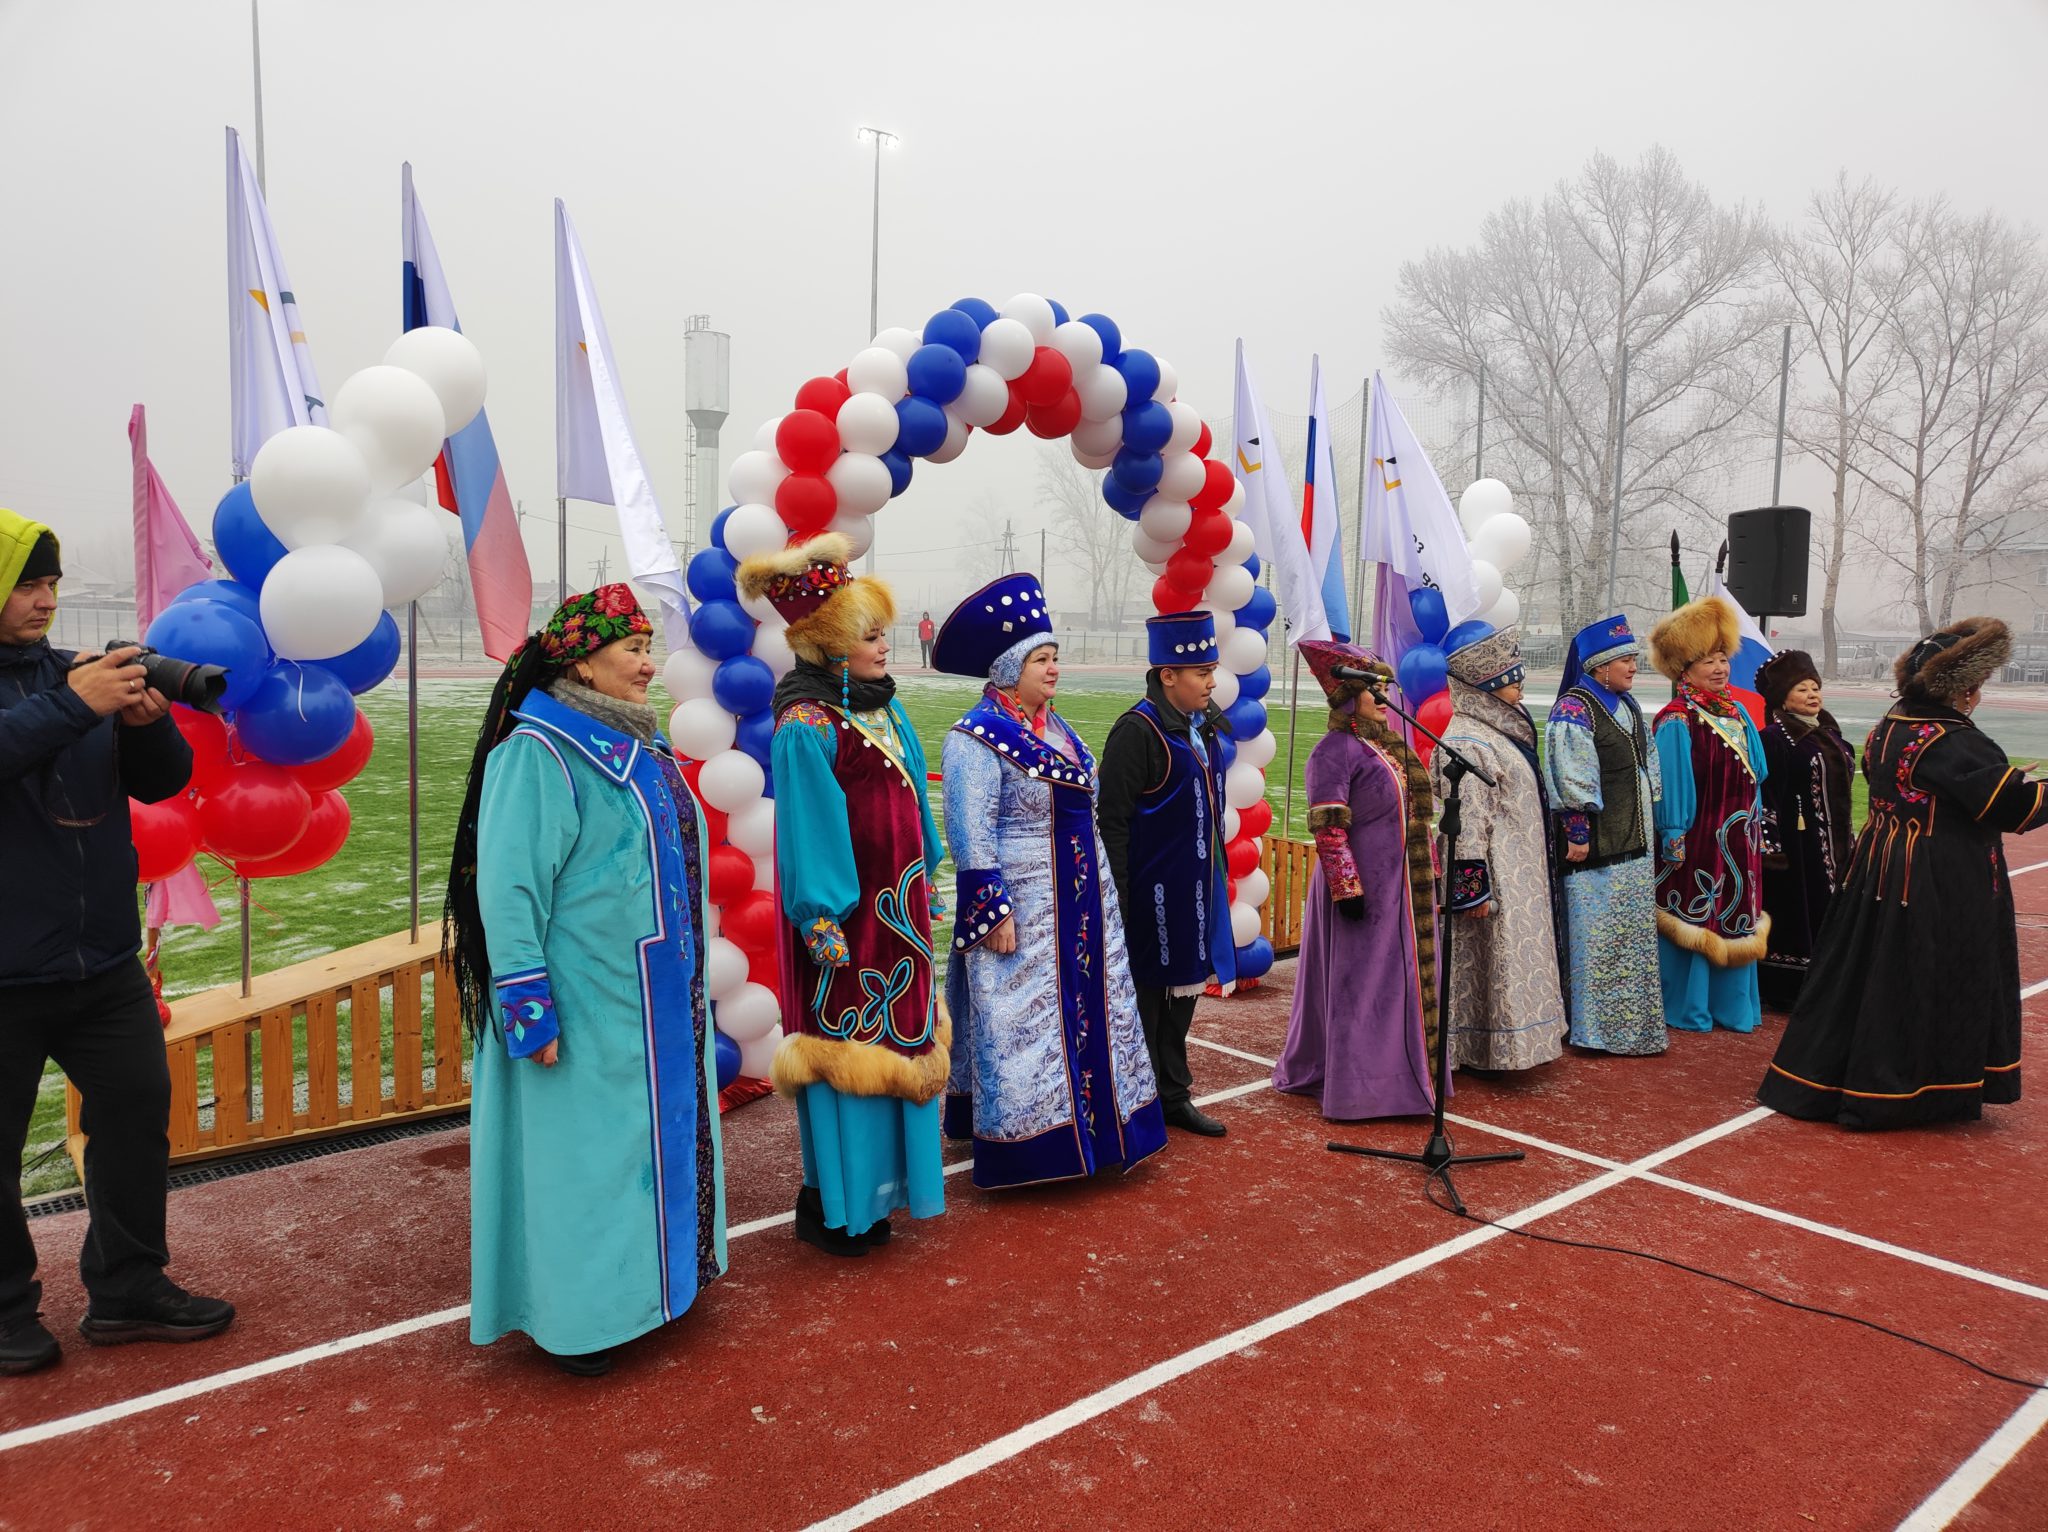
(1321, 521)
(1754, 649)
(467, 474)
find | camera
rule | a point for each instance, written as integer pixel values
(197, 686)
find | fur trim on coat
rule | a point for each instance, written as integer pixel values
(1692, 632)
(865, 1069)
(1716, 948)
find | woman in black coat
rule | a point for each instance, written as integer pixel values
(1806, 832)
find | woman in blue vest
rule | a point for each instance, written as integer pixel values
(576, 920)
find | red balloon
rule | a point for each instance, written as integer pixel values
(166, 836)
(1049, 376)
(1012, 417)
(765, 969)
(1057, 419)
(749, 923)
(1230, 891)
(1208, 534)
(207, 734)
(824, 395)
(1203, 441)
(840, 375)
(256, 814)
(1190, 571)
(1168, 597)
(1217, 483)
(1435, 714)
(730, 877)
(344, 763)
(326, 833)
(1256, 820)
(807, 441)
(806, 502)
(1243, 853)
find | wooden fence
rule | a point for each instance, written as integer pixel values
(1288, 864)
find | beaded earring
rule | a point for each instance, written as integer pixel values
(846, 685)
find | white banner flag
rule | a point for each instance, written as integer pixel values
(1272, 513)
(595, 457)
(1410, 524)
(269, 365)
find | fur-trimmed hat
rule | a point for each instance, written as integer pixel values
(1776, 676)
(827, 607)
(1951, 662)
(1693, 632)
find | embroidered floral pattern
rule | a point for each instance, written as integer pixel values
(1471, 885)
(1340, 872)
(526, 1007)
(814, 716)
(1924, 734)
(827, 943)
(984, 905)
(585, 623)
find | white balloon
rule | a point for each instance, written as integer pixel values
(1150, 550)
(1254, 887)
(762, 610)
(422, 491)
(749, 1012)
(1234, 506)
(320, 601)
(1230, 820)
(986, 396)
(1155, 567)
(1243, 785)
(1035, 314)
(1243, 544)
(771, 648)
(1007, 346)
(764, 439)
(1230, 587)
(1244, 924)
(1100, 436)
(755, 476)
(451, 366)
(1483, 499)
(310, 485)
(758, 1056)
(1225, 621)
(1169, 381)
(860, 479)
(868, 423)
(394, 418)
(857, 529)
(1187, 427)
(1091, 460)
(1486, 584)
(731, 780)
(725, 968)
(752, 829)
(1103, 394)
(954, 444)
(1244, 651)
(878, 370)
(687, 673)
(754, 529)
(1183, 476)
(1165, 520)
(1080, 344)
(407, 544)
(1505, 612)
(1503, 541)
(700, 728)
(764, 875)
(1225, 695)
(1260, 749)
(899, 340)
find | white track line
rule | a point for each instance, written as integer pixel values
(2020, 872)
(1136, 1386)
(1955, 1492)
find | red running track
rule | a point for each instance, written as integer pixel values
(1243, 1333)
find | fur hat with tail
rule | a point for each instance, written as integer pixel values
(828, 608)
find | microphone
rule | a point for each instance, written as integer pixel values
(1352, 673)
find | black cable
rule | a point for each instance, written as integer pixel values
(1429, 1190)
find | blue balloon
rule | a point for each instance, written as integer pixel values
(214, 633)
(231, 593)
(1125, 502)
(1141, 374)
(241, 539)
(1469, 631)
(955, 328)
(1256, 684)
(710, 576)
(754, 734)
(937, 373)
(297, 714)
(921, 426)
(982, 313)
(1432, 620)
(1059, 311)
(1112, 337)
(1421, 673)
(1259, 611)
(370, 661)
(1247, 717)
(1226, 751)
(743, 685)
(898, 464)
(728, 1060)
(1147, 426)
(721, 629)
(1137, 471)
(1255, 959)
(718, 526)
(1251, 564)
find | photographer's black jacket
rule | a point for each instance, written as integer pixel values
(66, 863)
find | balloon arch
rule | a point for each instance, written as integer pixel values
(851, 443)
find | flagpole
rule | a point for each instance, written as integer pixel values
(1364, 450)
(1479, 429)
(561, 549)
(412, 750)
(1293, 719)
(1620, 436)
(256, 53)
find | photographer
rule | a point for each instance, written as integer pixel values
(80, 734)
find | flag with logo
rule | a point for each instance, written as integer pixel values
(1269, 510)
(1322, 528)
(270, 367)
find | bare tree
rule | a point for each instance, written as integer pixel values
(982, 559)
(1096, 538)
(1621, 255)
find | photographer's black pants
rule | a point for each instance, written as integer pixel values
(105, 1034)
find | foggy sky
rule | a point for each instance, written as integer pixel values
(1196, 171)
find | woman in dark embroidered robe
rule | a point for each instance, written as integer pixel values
(1911, 1012)
(1806, 833)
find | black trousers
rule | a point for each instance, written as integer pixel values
(1167, 1017)
(105, 1034)
(926, 645)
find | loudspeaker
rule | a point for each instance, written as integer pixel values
(1767, 551)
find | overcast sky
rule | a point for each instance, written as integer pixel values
(1197, 171)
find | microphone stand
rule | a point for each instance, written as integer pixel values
(1436, 1157)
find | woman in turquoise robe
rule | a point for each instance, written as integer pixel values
(576, 908)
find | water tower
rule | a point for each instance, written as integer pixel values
(707, 398)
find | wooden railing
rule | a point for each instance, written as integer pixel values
(1288, 864)
(357, 1029)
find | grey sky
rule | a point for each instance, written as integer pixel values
(1196, 171)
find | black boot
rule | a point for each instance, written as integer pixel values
(25, 1346)
(586, 1364)
(876, 1233)
(168, 1313)
(812, 1229)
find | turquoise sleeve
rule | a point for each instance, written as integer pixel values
(526, 827)
(1679, 802)
(813, 845)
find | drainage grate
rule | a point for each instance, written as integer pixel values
(262, 1159)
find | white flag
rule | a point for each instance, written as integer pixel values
(1410, 524)
(1272, 513)
(269, 364)
(595, 458)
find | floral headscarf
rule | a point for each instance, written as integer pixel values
(585, 623)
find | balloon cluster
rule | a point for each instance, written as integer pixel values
(318, 543)
(850, 444)
(1499, 539)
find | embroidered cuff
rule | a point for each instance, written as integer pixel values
(1578, 829)
(1340, 873)
(1471, 885)
(934, 906)
(1674, 849)
(826, 942)
(984, 905)
(526, 1010)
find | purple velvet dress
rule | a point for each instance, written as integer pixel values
(1355, 1038)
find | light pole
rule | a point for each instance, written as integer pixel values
(875, 264)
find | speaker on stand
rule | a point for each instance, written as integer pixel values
(1767, 558)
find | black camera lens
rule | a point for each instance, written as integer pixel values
(196, 686)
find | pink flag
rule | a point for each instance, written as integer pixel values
(167, 559)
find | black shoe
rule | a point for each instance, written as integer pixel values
(587, 1364)
(169, 1313)
(1190, 1119)
(876, 1233)
(25, 1346)
(812, 1229)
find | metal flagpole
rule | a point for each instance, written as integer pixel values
(1784, 380)
(412, 750)
(1358, 544)
(1620, 436)
(875, 269)
(1293, 718)
(256, 55)
(1479, 430)
(561, 550)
